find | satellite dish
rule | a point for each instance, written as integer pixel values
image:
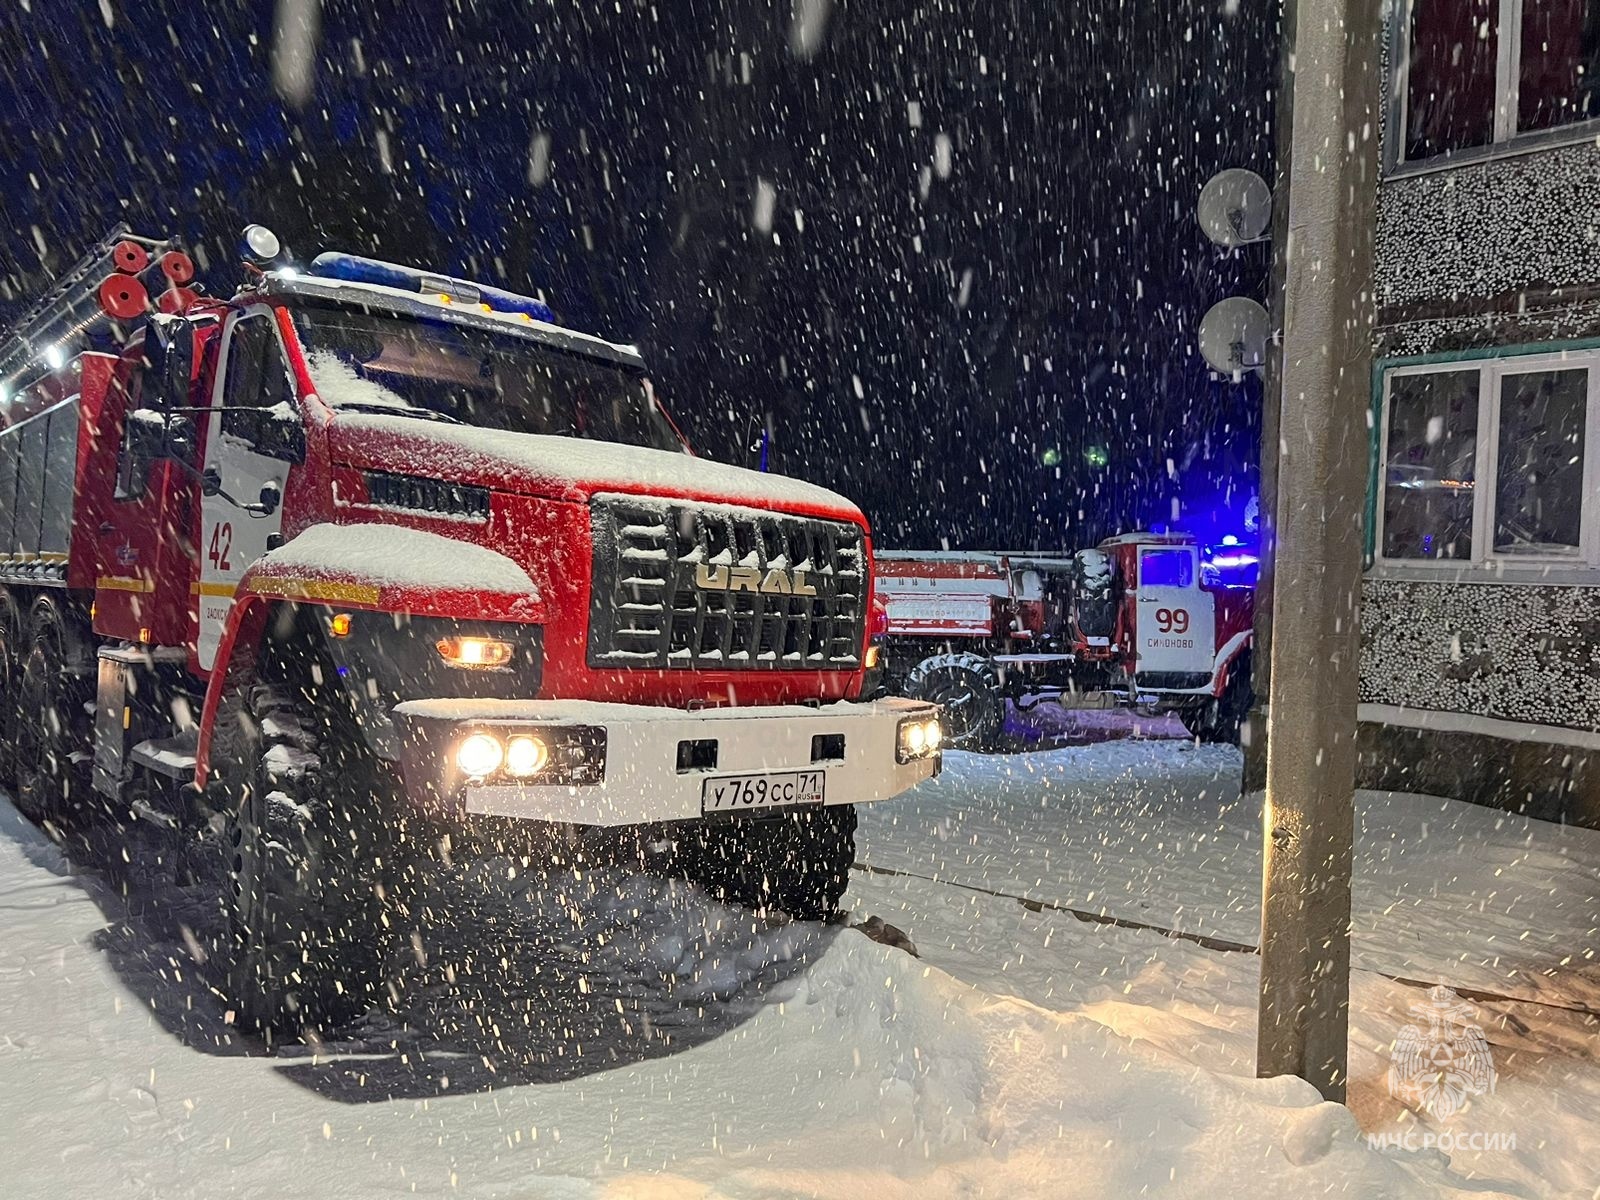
(1235, 207)
(1233, 335)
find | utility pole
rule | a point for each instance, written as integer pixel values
(1254, 741)
(1331, 48)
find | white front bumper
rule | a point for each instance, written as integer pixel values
(642, 782)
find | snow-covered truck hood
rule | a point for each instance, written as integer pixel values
(562, 468)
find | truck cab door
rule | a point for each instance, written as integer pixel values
(255, 436)
(1174, 620)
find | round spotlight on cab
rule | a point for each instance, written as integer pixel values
(526, 756)
(480, 755)
(259, 245)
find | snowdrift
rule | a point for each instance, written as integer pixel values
(834, 1067)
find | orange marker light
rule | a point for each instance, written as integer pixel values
(475, 653)
(339, 625)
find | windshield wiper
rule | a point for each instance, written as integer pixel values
(395, 410)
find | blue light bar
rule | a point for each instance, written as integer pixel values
(353, 269)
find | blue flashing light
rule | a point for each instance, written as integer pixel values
(1237, 566)
(352, 268)
(1229, 539)
(503, 301)
(1224, 561)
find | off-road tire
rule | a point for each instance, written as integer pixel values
(10, 682)
(308, 845)
(50, 739)
(967, 690)
(794, 860)
(1220, 721)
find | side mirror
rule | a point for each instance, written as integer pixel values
(271, 497)
(155, 348)
(211, 482)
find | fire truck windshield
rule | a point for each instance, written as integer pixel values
(439, 371)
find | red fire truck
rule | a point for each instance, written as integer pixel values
(365, 561)
(1154, 621)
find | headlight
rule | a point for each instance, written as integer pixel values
(474, 652)
(526, 756)
(514, 756)
(479, 755)
(918, 737)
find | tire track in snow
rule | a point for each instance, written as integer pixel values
(1222, 945)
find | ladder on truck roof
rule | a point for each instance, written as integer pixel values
(107, 284)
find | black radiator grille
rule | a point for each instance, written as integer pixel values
(710, 588)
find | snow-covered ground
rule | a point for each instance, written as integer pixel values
(624, 1037)
(1156, 833)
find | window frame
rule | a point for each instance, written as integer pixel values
(1191, 565)
(1483, 560)
(248, 421)
(1505, 139)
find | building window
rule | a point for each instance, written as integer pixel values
(1452, 75)
(1539, 461)
(1432, 465)
(1491, 462)
(1477, 72)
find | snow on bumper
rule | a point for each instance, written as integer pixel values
(652, 761)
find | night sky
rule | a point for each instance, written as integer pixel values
(945, 252)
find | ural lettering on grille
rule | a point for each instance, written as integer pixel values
(680, 585)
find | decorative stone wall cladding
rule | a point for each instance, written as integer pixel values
(1484, 229)
(1515, 652)
(1487, 330)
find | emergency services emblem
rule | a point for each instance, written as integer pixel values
(1438, 1068)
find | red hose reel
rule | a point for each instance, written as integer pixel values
(124, 296)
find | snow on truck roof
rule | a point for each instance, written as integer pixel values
(1150, 539)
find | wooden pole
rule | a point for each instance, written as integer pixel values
(1332, 48)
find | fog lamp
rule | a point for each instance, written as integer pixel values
(475, 653)
(479, 755)
(526, 756)
(918, 737)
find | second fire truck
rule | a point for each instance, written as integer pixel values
(1152, 621)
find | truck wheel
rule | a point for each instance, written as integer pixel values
(305, 843)
(10, 682)
(967, 690)
(796, 860)
(51, 724)
(1220, 720)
